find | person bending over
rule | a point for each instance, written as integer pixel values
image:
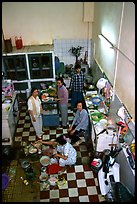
(66, 153)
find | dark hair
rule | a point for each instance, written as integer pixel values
(61, 140)
(77, 66)
(33, 89)
(80, 102)
(62, 81)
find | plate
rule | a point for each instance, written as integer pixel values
(103, 122)
(53, 181)
(41, 178)
(45, 160)
(96, 100)
(32, 150)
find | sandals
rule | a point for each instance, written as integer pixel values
(39, 137)
(78, 142)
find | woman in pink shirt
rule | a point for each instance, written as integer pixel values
(62, 93)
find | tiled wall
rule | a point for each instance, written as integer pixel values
(62, 47)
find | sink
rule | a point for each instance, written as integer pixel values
(7, 101)
(6, 104)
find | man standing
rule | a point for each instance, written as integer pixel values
(77, 86)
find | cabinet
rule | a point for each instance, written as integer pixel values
(15, 67)
(29, 66)
(41, 65)
(51, 114)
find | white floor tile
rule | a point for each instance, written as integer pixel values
(71, 176)
(92, 190)
(88, 174)
(79, 168)
(83, 198)
(54, 194)
(73, 192)
(81, 183)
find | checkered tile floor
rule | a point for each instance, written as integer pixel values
(81, 182)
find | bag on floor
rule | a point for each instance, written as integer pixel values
(53, 169)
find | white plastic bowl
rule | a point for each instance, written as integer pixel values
(45, 160)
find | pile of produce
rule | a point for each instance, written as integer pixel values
(96, 116)
(51, 91)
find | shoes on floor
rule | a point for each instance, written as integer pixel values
(42, 133)
(64, 127)
(78, 142)
(74, 140)
(39, 137)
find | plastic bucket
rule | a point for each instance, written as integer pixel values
(5, 181)
(18, 42)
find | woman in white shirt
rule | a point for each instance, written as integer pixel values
(66, 153)
(35, 111)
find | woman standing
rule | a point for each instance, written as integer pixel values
(35, 111)
(62, 94)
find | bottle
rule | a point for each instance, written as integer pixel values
(108, 103)
(24, 181)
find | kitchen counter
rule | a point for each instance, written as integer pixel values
(7, 107)
(50, 114)
(9, 120)
(127, 174)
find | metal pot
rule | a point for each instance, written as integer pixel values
(25, 164)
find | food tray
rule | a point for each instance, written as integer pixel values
(96, 100)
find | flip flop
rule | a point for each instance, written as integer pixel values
(39, 137)
(78, 142)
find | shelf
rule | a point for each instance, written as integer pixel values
(31, 49)
(35, 69)
(30, 64)
(11, 70)
(46, 68)
(21, 70)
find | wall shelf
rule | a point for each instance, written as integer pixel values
(31, 63)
